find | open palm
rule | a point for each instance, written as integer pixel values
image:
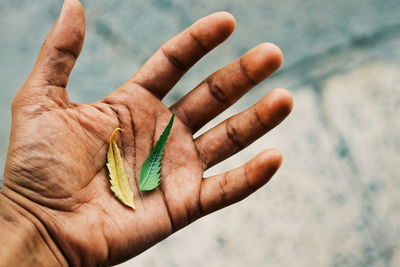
(55, 167)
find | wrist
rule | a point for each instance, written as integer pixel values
(23, 239)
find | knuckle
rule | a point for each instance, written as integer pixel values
(173, 60)
(217, 92)
(233, 135)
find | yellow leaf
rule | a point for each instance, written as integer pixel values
(118, 178)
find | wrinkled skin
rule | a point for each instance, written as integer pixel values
(56, 170)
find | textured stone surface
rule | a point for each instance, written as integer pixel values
(336, 200)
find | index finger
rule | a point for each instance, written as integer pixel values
(171, 61)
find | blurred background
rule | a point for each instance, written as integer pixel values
(336, 200)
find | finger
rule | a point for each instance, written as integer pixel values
(228, 188)
(239, 131)
(163, 70)
(226, 86)
(59, 52)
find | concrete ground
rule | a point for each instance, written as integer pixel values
(336, 200)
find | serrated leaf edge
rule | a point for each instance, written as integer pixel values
(154, 160)
(118, 178)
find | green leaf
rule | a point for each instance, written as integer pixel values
(150, 174)
(118, 178)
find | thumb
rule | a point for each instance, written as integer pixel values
(59, 53)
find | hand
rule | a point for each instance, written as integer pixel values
(55, 167)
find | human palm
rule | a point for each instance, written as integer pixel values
(56, 170)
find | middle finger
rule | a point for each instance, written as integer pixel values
(224, 87)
